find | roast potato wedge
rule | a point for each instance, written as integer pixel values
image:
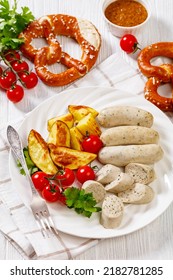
(59, 134)
(39, 153)
(80, 111)
(88, 125)
(76, 139)
(67, 118)
(65, 157)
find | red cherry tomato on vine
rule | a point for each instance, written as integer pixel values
(66, 177)
(92, 144)
(51, 193)
(7, 79)
(40, 180)
(129, 43)
(85, 173)
(29, 79)
(20, 66)
(15, 94)
(12, 55)
(62, 198)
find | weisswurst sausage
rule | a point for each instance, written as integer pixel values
(141, 173)
(112, 211)
(139, 194)
(123, 155)
(125, 135)
(124, 115)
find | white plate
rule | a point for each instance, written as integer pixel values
(135, 216)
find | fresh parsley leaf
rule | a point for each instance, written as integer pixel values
(4, 9)
(83, 203)
(27, 15)
(22, 171)
(11, 24)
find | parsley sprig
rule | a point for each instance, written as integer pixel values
(12, 24)
(82, 202)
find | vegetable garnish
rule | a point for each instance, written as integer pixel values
(129, 43)
(82, 202)
(30, 164)
(11, 24)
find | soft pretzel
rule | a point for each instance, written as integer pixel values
(145, 56)
(151, 94)
(48, 27)
(157, 74)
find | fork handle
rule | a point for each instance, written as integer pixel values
(16, 147)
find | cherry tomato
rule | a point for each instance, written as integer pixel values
(62, 198)
(66, 177)
(20, 66)
(7, 79)
(51, 193)
(40, 180)
(12, 55)
(29, 79)
(85, 173)
(129, 43)
(92, 144)
(15, 94)
(1, 71)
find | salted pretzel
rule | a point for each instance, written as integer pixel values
(151, 94)
(48, 27)
(157, 74)
(145, 56)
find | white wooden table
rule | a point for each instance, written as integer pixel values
(154, 241)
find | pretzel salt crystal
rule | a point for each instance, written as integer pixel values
(48, 27)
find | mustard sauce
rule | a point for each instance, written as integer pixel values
(126, 13)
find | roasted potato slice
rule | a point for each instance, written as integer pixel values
(39, 153)
(65, 157)
(76, 139)
(80, 111)
(67, 118)
(59, 134)
(88, 125)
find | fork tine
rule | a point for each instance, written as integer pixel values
(49, 222)
(41, 225)
(53, 226)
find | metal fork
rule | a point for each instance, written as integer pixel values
(38, 205)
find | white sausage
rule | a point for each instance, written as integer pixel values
(125, 135)
(123, 155)
(122, 183)
(107, 173)
(95, 188)
(139, 194)
(124, 115)
(112, 211)
(141, 173)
